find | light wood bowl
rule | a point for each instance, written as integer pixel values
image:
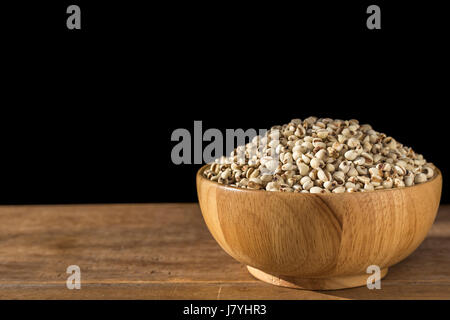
(318, 241)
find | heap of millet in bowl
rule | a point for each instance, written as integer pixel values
(321, 155)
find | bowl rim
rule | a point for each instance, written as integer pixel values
(231, 188)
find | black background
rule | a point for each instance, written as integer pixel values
(173, 309)
(87, 115)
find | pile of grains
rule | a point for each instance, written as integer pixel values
(321, 155)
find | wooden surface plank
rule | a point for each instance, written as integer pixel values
(164, 251)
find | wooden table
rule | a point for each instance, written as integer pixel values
(164, 251)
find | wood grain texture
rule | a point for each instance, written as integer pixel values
(318, 241)
(164, 251)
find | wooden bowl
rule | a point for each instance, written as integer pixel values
(318, 241)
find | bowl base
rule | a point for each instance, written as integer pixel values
(333, 283)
